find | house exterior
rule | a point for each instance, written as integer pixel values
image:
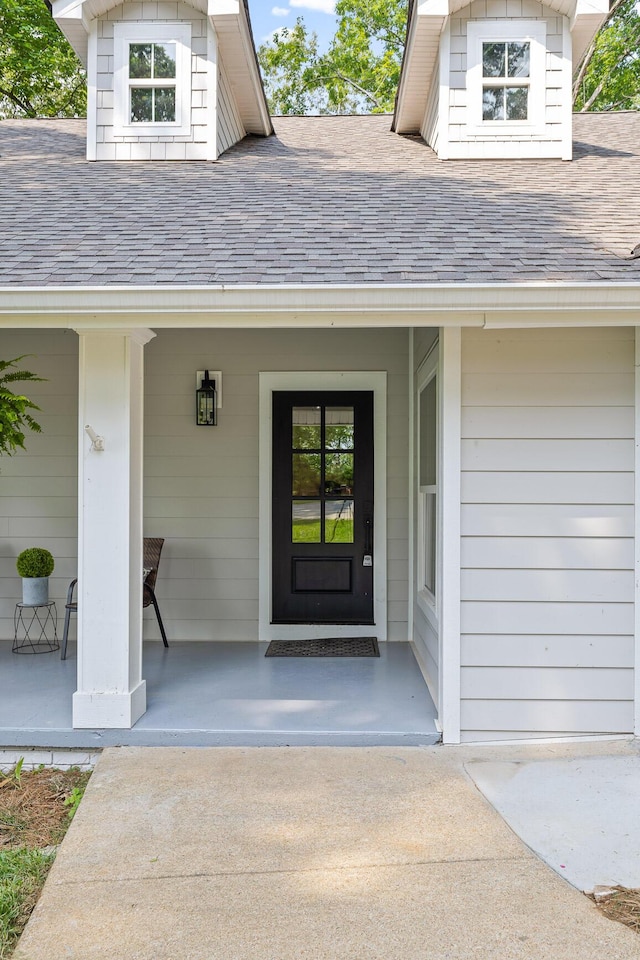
(452, 289)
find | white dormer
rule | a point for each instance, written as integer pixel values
(167, 79)
(492, 78)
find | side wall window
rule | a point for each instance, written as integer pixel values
(428, 482)
(152, 79)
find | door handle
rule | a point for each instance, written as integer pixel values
(368, 542)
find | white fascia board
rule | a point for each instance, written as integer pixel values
(236, 43)
(325, 305)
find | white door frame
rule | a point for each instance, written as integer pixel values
(375, 381)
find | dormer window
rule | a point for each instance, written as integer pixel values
(152, 83)
(506, 75)
(505, 80)
(152, 79)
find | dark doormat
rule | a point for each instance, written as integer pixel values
(334, 647)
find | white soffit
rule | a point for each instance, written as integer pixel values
(235, 43)
(423, 41)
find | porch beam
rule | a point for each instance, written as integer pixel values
(111, 692)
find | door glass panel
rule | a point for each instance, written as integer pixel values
(306, 475)
(306, 428)
(305, 521)
(338, 521)
(338, 476)
(339, 428)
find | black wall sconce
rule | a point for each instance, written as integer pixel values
(207, 402)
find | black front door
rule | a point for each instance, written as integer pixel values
(322, 538)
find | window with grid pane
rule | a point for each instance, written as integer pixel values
(152, 78)
(506, 76)
(505, 80)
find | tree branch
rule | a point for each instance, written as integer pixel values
(605, 79)
(365, 93)
(25, 106)
(588, 57)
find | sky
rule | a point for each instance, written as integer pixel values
(269, 15)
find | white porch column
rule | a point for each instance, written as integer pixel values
(111, 691)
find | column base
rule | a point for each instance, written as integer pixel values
(109, 710)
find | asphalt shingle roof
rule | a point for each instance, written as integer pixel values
(325, 200)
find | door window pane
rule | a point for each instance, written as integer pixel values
(305, 521)
(338, 476)
(338, 521)
(306, 428)
(306, 475)
(339, 428)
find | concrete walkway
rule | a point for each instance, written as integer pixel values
(307, 853)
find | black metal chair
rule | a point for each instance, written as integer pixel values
(151, 562)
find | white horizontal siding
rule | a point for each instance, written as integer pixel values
(547, 533)
(38, 487)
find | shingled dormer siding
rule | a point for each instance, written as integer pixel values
(210, 119)
(460, 131)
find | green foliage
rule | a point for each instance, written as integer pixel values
(72, 800)
(14, 776)
(35, 562)
(609, 78)
(14, 408)
(40, 75)
(359, 72)
(22, 873)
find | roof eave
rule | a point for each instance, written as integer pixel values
(555, 304)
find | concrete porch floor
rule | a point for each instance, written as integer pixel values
(228, 694)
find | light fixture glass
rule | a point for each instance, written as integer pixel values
(207, 402)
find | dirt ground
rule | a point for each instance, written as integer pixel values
(35, 806)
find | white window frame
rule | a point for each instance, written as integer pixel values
(128, 33)
(504, 31)
(428, 519)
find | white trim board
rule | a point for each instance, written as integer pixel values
(637, 536)
(375, 381)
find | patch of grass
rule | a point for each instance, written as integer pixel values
(36, 808)
(22, 875)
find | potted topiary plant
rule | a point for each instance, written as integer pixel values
(35, 566)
